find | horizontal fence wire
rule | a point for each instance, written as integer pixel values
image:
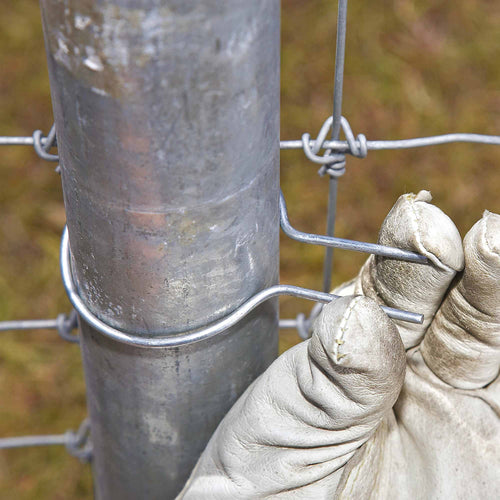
(19, 140)
(28, 441)
(28, 324)
(418, 142)
(77, 443)
(338, 146)
(64, 324)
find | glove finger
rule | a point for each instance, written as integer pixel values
(304, 418)
(413, 224)
(462, 346)
(358, 349)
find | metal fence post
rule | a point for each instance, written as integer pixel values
(167, 118)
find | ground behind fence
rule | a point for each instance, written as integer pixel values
(410, 71)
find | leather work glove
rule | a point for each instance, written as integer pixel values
(374, 408)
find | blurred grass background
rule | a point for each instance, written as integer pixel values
(412, 69)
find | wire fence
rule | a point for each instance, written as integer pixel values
(332, 163)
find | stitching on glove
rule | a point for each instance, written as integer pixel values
(339, 340)
(416, 230)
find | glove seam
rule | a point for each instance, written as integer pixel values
(339, 339)
(420, 246)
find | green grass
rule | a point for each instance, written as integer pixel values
(412, 69)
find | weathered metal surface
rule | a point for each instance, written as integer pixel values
(167, 118)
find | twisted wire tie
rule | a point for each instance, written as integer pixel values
(78, 443)
(42, 150)
(66, 324)
(333, 164)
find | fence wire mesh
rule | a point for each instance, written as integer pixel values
(332, 163)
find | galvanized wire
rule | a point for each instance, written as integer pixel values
(64, 324)
(77, 443)
(28, 324)
(357, 246)
(338, 145)
(42, 144)
(357, 146)
(418, 142)
(28, 441)
(336, 167)
(6, 140)
(333, 163)
(42, 149)
(203, 333)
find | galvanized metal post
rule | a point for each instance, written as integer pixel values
(167, 118)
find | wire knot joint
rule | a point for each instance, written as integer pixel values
(43, 144)
(79, 443)
(333, 162)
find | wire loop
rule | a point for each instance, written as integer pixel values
(42, 150)
(65, 324)
(78, 444)
(333, 163)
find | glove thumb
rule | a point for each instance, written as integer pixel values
(305, 417)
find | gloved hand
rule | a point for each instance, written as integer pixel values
(349, 413)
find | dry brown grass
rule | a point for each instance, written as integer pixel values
(412, 69)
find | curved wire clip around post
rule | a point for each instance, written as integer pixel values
(357, 246)
(333, 164)
(203, 333)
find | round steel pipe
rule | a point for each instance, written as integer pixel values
(167, 119)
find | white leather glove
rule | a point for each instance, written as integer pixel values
(349, 413)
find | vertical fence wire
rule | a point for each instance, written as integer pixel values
(337, 113)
